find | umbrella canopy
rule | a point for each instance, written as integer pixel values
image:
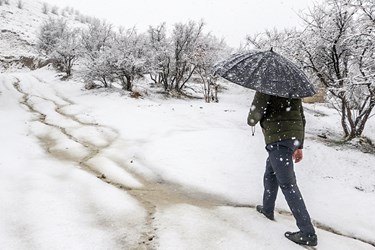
(266, 72)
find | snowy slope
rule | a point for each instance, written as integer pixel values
(19, 28)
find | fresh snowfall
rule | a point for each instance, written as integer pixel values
(98, 169)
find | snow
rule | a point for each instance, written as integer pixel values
(100, 170)
(52, 204)
(228, 228)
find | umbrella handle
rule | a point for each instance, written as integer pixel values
(252, 130)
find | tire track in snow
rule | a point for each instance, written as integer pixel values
(154, 194)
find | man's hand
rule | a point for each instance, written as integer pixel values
(297, 155)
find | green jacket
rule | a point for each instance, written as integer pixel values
(280, 118)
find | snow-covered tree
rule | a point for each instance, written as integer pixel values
(128, 57)
(97, 37)
(59, 42)
(50, 33)
(173, 60)
(171, 56)
(336, 48)
(113, 56)
(185, 40)
(97, 69)
(208, 52)
(281, 41)
(96, 43)
(68, 50)
(159, 55)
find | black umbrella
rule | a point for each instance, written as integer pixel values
(266, 72)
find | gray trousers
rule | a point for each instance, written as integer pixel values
(280, 172)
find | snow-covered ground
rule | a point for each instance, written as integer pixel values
(101, 170)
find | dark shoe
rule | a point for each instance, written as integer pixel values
(270, 216)
(299, 238)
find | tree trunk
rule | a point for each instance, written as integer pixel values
(363, 120)
(104, 81)
(187, 78)
(129, 82)
(343, 119)
(214, 96)
(155, 78)
(69, 66)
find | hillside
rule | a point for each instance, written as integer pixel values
(19, 28)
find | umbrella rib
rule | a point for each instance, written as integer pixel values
(240, 61)
(256, 69)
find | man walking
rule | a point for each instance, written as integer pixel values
(283, 124)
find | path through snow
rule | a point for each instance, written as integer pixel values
(69, 136)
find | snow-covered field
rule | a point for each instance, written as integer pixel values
(100, 170)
